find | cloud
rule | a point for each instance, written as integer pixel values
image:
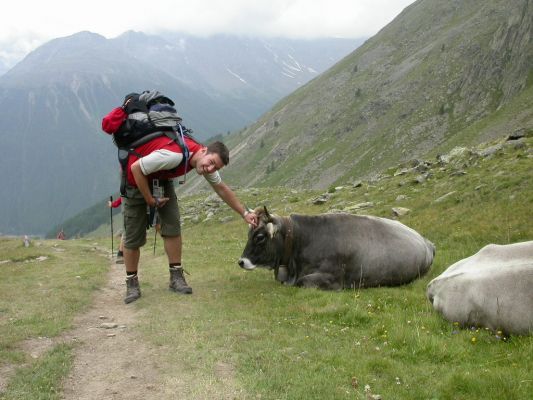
(16, 45)
(286, 18)
(26, 25)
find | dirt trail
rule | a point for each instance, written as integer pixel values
(116, 363)
(110, 361)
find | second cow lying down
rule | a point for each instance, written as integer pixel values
(492, 288)
(336, 251)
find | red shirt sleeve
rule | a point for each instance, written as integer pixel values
(112, 121)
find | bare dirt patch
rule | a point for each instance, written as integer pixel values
(38, 346)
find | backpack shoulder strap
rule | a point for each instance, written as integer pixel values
(178, 136)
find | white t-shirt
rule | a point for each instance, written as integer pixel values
(164, 159)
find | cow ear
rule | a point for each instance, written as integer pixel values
(271, 229)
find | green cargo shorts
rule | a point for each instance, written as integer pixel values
(136, 215)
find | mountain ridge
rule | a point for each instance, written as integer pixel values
(52, 103)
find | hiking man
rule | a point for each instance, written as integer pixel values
(149, 184)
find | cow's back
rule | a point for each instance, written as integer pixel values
(373, 251)
(493, 288)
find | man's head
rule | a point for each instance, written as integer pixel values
(220, 149)
(214, 157)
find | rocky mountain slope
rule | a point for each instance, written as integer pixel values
(441, 74)
(486, 178)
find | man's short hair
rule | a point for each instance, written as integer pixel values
(220, 149)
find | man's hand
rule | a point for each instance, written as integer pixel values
(250, 218)
(158, 202)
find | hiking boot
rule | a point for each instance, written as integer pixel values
(119, 260)
(177, 281)
(133, 291)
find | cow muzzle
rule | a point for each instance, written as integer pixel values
(245, 263)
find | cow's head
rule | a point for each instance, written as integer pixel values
(265, 242)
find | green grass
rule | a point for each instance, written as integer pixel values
(42, 380)
(43, 287)
(289, 343)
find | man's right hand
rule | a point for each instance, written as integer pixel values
(158, 202)
(251, 218)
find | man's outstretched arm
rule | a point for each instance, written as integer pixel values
(229, 197)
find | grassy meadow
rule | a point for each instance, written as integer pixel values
(42, 288)
(279, 342)
(290, 343)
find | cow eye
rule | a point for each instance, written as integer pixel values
(259, 238)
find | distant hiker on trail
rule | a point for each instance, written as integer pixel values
(26, 241)
(120, 252)
(149, 171)
(60, 235)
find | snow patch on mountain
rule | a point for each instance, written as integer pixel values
(288, 74)
(274, 54)
(236, 76)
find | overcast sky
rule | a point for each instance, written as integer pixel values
(24, 25)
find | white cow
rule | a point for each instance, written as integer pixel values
(493, 289)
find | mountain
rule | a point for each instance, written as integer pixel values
(52, 102)
(236, 70)
(3, 67)
(441, 74)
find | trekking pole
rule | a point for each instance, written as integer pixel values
(155, 238)
(154, 224)
(111, 215)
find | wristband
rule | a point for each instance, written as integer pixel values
(245, 213)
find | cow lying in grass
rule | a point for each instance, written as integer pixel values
(336, 251)
(492, 289)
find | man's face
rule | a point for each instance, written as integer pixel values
(209, 163)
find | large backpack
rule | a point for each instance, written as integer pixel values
(144, 117)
